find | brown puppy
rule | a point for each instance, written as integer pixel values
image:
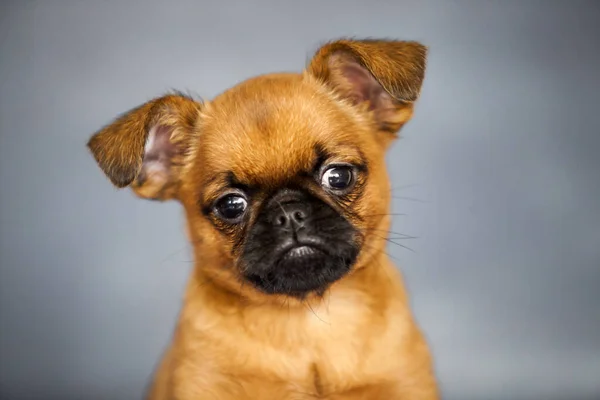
(283, 182)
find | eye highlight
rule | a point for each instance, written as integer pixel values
(338, 177)
(231, 207)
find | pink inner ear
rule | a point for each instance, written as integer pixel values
(363, 86)
(158, 155)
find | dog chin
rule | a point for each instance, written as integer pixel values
(301, 270)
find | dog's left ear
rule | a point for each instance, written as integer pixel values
(380, 76)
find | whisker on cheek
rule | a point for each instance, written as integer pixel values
(404, 187)
(381, 251)
(173, 254)
(409, 199)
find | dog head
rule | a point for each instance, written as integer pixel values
(283, 176)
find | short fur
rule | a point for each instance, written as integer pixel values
(354, 339)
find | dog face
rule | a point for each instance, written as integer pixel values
(282, 177)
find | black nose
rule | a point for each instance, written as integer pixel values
(290, 215)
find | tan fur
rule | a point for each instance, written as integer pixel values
(359, 340)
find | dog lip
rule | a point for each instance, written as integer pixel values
(302, 244)
(311, 241)
(301, 251)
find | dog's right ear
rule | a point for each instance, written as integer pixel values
(144, 148)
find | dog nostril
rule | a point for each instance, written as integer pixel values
(299, 216)
(281, 220)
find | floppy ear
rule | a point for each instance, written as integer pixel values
(144, 148)
(380, 76)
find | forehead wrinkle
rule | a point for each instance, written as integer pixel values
(273, 158)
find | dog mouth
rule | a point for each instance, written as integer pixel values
(300, 269)
(300, 251)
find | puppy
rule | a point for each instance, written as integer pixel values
(286, 196)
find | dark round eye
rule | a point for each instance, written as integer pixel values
(231, 207)
(337, 178)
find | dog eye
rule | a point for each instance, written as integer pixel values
(231, 207)
(337, 178)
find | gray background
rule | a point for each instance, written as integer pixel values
(498, 175)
